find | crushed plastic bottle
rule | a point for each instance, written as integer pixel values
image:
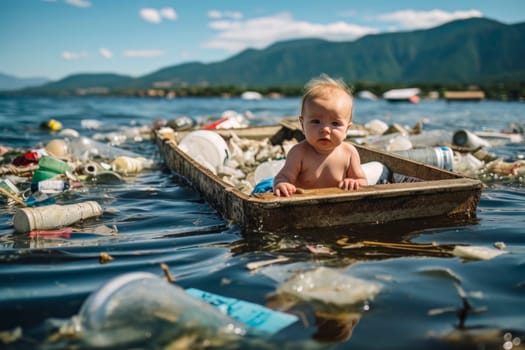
(139, 307)
(84, 148)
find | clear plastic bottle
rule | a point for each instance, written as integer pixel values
(141, 307)
(84, 148)
(442, 157)
(52, 186)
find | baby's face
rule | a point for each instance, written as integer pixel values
(326, 119)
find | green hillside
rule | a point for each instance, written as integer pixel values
(476, 50)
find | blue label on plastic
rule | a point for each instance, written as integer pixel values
(251, 314)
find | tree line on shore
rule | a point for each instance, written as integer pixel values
(509, 91)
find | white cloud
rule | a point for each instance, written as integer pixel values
(143, 53)
(106, 53)
(236, 35)
(168, 13)
(69, 55)
(215, 14)
(150, 15)
(411, 19)
(78, 3)
(155, 16)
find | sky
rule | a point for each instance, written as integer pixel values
(57, 38)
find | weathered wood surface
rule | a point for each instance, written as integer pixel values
(442, 194)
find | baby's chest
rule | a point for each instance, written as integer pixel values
(324, 175)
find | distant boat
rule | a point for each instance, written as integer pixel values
(366, 95)
(403, 95)
(251, 95)
(475, 95)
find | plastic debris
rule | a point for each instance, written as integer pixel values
(329, 286)
(258, 264)
(140, 306)
(54, 216)
(476, 253)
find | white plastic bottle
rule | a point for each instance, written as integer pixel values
(50, 217)
(129, 165)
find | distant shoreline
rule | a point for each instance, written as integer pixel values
(508, 91)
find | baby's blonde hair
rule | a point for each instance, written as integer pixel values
(320, 84)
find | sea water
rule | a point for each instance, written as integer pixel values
(429, 299)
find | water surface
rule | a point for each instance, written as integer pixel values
(161, 219)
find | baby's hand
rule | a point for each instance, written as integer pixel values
(349, 184)
(285, 189)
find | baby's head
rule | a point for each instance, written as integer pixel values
(325, 86)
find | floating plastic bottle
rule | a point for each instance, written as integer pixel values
(50, 217)
(467, 139)
(129, 165)
(52, 164)
(42, 175)
(50, 186)
(138, 307)
(9, 186)
(441, 157)
(84, 148)
(38, 199)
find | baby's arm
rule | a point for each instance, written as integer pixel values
(355, 176)
(283, 183)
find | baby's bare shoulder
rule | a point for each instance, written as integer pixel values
(348, 147)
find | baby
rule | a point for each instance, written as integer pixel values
(323, 159)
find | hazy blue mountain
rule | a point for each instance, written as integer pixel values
(11, 82)
(474, 50)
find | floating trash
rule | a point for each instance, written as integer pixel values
(54, 216)
(329, 286)
(476, 253)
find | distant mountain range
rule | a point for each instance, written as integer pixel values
(10, 82)
(477, 50)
